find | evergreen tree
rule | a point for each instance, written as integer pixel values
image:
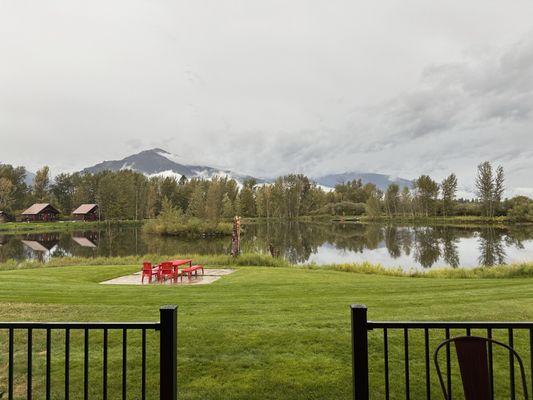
(213, 202)
(228, 210)
(197, 203)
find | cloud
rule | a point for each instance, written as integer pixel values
(397, 89)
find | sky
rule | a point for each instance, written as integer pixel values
(404, 87)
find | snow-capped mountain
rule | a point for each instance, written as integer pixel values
(158, 162)
(382, 181)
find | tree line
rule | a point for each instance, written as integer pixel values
(127, 194)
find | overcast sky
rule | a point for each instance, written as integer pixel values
(269, 87)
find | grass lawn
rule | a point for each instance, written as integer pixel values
(260, 333)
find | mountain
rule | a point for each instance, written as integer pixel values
(380, 180)
(158, 162)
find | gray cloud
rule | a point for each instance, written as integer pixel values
(270, 87)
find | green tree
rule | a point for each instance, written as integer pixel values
(62, 191)
(449, 191)
(197, 203)
(247, 199)
(373, 206)
(485, 187)
(228, 210)
(392, 199)
(499, 188)
(213, 202)
(6, 194)
(41, 184)
(426, 190)
(406, 201)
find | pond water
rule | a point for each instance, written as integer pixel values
(321, 243)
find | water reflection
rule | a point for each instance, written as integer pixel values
(389, 245)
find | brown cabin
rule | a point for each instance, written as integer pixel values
(44, 212)
(5, 217)
(86, 212)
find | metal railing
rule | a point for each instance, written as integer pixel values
(361, 327)
(167, 328)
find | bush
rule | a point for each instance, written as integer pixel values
(172, 221)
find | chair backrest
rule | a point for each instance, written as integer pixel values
(473, 364)
(166, 266)
(147, 266)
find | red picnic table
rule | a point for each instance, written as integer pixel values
(192, 268)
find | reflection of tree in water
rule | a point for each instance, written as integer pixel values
(491, 250)
(427, 250)
(392, 241)
(294, 241)
(450, 253)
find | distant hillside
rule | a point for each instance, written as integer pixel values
(380, 180)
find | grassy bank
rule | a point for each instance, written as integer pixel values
(260, 333)
(254, 259)
(471, 221)
(59, 226)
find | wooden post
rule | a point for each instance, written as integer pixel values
(236, 237)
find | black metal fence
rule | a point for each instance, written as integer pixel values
(166, 327)
(361, 327)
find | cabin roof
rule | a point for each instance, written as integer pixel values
(34, 245)
(84, 242)
(38, 208)
(84, 209)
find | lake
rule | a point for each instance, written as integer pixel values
(298, 242)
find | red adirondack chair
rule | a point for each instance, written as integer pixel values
(166, 269)
(149, 271)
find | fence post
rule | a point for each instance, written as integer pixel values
(359, 352)
(168, 351)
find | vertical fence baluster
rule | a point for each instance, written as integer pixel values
(448, 366)
(491, 365)
(143, 366)
(531, 357)
(406, 357)
(10, 368)
(511, 364)
(426, 350)
(104, 367)
(48, 361)
(29, 371)
(467, 331)
(86, 364)
(124, 361)
(386, 361)
(67, 363)
(359, 352)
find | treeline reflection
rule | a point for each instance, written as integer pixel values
(295, 241)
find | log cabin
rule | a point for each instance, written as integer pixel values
(43, 212)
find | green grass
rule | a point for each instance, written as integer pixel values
(58, 226)
(260, 333)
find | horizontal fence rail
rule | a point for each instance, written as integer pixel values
(166, 328)
(440, 330)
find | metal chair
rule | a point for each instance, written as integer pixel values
(472, 357)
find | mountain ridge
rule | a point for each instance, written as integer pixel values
(159, 162)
